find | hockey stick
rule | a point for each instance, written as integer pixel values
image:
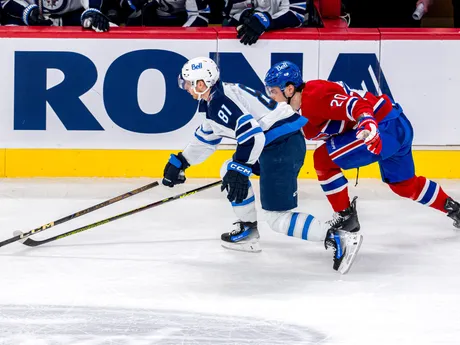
(33, 243)
(40, 9)
(19, 235)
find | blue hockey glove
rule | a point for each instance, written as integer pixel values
(253, 28)
(236, 182)
(94, 19)
(174, 170)
(31, 16)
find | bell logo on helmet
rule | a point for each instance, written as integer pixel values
(197, 66)
(281, 66)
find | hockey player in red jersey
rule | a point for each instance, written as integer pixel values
(358, 128)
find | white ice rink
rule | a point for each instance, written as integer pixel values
(161, 276)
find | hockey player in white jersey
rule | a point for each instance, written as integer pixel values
(86, 13)
(166, 12)
(269, 144)
(253, 17)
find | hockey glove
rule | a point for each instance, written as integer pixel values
(246, 16)
(31, 16)
(369, 132)
(236, 182)
(94, 19)
(250, 31)
(174, 170)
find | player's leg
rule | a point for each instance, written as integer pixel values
(331, 179)
(343, 151)
(335, 187)
(280, 164)
(426, 192)
(245, 236)
(399, 172)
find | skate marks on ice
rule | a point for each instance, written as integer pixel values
(61, 325)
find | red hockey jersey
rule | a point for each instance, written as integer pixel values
(332, 108)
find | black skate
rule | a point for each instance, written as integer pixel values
(346, 220)
(343, 237)
(345, 246)
(244, 238)
(453, 211)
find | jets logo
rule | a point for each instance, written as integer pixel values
(53, 6)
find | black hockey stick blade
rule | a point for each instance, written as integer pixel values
(22, 236)
(33, 243)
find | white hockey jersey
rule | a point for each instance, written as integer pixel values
(246, 115)
(198, 11)
(56, 7)
(276, 8)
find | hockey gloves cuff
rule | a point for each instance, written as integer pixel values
(236, 182)
(94, 19)
(250, 31)
(31, 16)
(174, 170)
(369, 132)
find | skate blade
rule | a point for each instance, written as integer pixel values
(249, 247)
(353, 246)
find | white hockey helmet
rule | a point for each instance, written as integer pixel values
(200, 68)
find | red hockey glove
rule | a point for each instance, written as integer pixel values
(369, 132)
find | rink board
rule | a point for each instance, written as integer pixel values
(76, 103)
(150, 163)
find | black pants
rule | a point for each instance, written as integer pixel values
(456, 4)
(150, 18)
(381, 14)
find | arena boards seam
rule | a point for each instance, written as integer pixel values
(150, 163)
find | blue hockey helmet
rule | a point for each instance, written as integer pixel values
(282, 74)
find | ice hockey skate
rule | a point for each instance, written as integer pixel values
(453, 211)
(345, 246)
(343, 238)
(346, 220)
(244, 238)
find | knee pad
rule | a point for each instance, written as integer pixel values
(410, 188)
(278, 221)
(300, 225)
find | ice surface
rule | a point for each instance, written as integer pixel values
(161, 276)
